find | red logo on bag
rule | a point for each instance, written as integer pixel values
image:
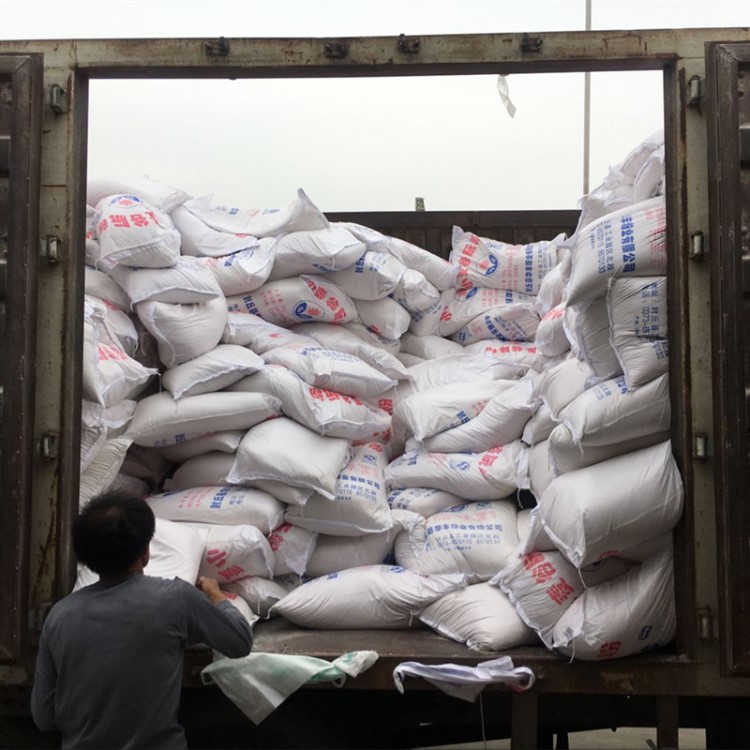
(216, 557)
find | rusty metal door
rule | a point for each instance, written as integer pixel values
(728, 112)
(20, 154)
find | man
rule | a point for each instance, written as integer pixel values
(109, 667)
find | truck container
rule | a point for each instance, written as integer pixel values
(700, 680)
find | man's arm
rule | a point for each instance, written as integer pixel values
(214, 621)
(43, 691)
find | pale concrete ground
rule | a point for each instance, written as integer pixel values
(601, 739)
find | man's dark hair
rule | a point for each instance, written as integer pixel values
(112, 531)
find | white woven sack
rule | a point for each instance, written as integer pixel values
(597, 512)
(410, 360)
(158, 194)
(559, 385)
(326, 412)
(437, 271)
(385, 317)
(539, 427)
(213, 371)
(259, 335)
(537, 468)
(303, 299)
(184, 332)
(523, 521)
(186, 282)
(469, 304)
(588, 332)
(93, 437)
(535, 538)
(121, 326)
(239, 603)
(500, 422)
(427, 322)
(369, 597)
(234, 552)
(92, 249)
(499, 265)
(609, 420)
(476, 539)
(638, 314)
(131, 485)
(335, 553)
(429, 347)
(201, 241)
(480, 616)
(521, 355)
(542, 586)
(422, 500)
(225, 441)
(292, 547)
(332, 370)
(342, 339)
(300, 215)
(99, 424)
(159, 420)
(133, 233)
(145, 463)
(628, 242)
(506, 323)
(221, 506)
(102, 468)
(361, 502)
(100, 285)
(373, 276)
(607, 570)
(434, 410)
(244, 271)
(317, 251)
(629, 615)
(649, 182)
(285, 451)
(550, 335)
(109, 374)
(414, 293)
(261, 593)
(552, 289)
(491, 475)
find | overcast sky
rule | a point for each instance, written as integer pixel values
(366, 144)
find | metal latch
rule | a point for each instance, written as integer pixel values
(336, 50)
(48, 445)
(705, 624)
(697, 245)
(409, 45)
(701, 446)
(50, 249)
(217, 48)
(56, 96)
(695, 92)
(531, 43)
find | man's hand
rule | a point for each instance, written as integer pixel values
(210, 587)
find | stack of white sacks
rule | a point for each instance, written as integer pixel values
(308, 401)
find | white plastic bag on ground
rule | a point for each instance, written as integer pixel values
(234, 552)
(303, 299)
(326, 412)
(422, 501)
(242, 272)
(490, 263)
(628, 242)
(629, 615)
(133, 233)
(597, 512)
(476, 540)
(292, 547)
(332, 370)
(220, 506)
(369, 597)
(158, 194)
(481, 616)
(159, 420)
(414, 293)
(300, 215)
(361, 504)
(491, 475)
(385, 317)
(316, 251)
(373, 276)
(638, 315)
(285, 451)
(224, 441)
(213, 371)
(500, 422)
(184, 332)
(186, 282)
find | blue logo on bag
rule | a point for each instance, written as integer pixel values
(492, 265)
(125, 200)
(307, 311)
(472, 292)
(645, 633)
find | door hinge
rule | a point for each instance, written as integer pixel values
(409, 45)
(698, 248)
(217, 48)
(695, 93)
(49, 249)
(531, 43)
(336, 50)
(705, 624)
(55, 98)
(48, 445)
(701, 445)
